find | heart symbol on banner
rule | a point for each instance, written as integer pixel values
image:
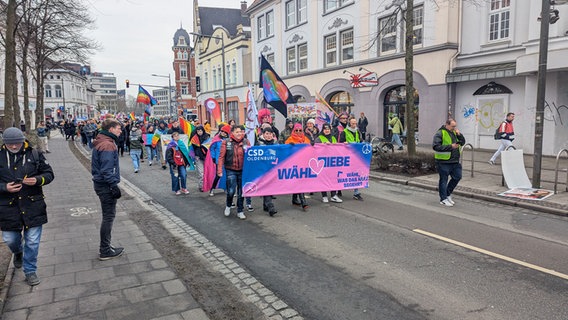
(316, 166)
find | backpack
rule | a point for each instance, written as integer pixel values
(497, 134)
(178, 158)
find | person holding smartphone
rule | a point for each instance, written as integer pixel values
(23, 173)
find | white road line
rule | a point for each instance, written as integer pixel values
(493, 254)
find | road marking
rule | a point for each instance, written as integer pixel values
(493, 254)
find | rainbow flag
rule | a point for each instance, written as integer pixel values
(195, 140)
(185, 126)
(144, 97)
(155, 139)
(132, 117)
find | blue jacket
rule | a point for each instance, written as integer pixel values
(104, 162)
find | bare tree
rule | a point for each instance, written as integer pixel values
(409, 70)
(10, 76)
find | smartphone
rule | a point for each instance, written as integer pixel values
(18, 181)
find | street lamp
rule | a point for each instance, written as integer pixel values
(169, 90)
(223, 63)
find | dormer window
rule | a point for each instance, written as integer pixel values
(181, 41)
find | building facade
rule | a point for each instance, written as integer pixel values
(106, 92)
(223, 59)
(67, 95)
(162, 109)
(184, 96)
(495, 73)
(328, 46)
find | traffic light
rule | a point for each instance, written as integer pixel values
(198, 84)
(127, 84)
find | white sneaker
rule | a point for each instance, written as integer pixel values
(336, 199)
(241, 215)
(449, 198)
(491, 162)
(324, 200)
(227, 211)
(211, 193)
(250, 208)
(446, 203)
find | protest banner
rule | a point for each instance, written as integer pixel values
(288, 169)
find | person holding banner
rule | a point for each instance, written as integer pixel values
(327, 137)
(267, 138)
(351, 134)
(341, 124)
(311, 130)
(214, 151)
(197, 141)
(231, 157)
(298, 137)
(285, 134)
(177, 161)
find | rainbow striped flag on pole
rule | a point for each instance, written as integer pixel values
(144, 97)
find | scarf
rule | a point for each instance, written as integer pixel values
(110, 135)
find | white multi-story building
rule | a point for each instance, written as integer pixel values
(162, 109)
(106, 95)
(325, 46)
(495, 73)
(67, 95)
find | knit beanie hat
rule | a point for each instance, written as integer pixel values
(13, 136)
(298, 126)
(226, 128)
(312, 121)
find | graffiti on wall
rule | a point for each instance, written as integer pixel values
(556, 114)
(488, 115)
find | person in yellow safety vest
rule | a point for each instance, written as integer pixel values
(447, 144)
(351, 134)
(326, 136)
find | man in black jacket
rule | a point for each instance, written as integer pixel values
(23, 172)
(106, 176)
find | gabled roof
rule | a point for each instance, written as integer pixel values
(210, 18)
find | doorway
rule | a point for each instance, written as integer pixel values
(395, 104)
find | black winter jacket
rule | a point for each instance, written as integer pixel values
(104, 161)
(26, 208)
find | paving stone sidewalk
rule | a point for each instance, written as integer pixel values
(75, 284)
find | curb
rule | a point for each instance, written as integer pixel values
(6, 285)
(480, 196)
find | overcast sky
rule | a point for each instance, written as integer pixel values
(137, 37)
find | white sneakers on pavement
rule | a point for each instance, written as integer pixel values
(446, 203)
(336, 199)
(227, 211)
(324, 200)
(449, 198)
(241, 215)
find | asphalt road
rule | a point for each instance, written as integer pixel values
(396, 255)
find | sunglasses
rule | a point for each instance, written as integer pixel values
(298, 130)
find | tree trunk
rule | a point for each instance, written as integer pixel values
(10, 66)
(409, 68)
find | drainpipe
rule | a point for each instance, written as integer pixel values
(455, 56)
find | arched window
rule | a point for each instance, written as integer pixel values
(47, 91)
(395, 104)
(341, 102)
(299, 99)
(58, 91)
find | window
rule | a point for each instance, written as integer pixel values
(48, 91)
(270, 58)
(297, 58)
(181, 41)
(347, 46)
(58, 93)
(296, 12)
(261, 27)
(184, 90)
(330, 50)
(233, 110)
(269, 24)
(418, 25)
(499, 19)
(330, 5)
(303, 57)
(214, 78)
(291, 60)
(228, 72)
(179, 55)
(183, 71)
(387, 34)
(234, 66)
(220, 77)
(265, 25)
(205, 83)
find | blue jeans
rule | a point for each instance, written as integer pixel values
(135, 156)
(181, 177)
(108, 207)
(30, 246)
(234, 184)
(152, 153)
(454, 170)
(396, 139)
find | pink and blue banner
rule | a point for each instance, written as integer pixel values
(288, 169)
